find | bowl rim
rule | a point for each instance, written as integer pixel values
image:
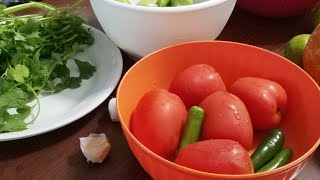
(187, 170)
(162, 10)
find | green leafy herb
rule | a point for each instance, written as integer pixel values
(86, 69)
(19, 72)
(34, 51)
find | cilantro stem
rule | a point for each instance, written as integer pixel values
(9, 65)
(38, 102)
(76, 4)
(33, 16)
(5, 73)
(20, 7)
(70, 39)
(32, 4)
(65, 28)
(51, 70)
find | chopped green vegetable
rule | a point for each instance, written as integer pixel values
(163, 3)
(34, 50)
(149, 3)
(123, 1)
(181, 2)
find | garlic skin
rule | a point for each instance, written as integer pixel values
(95, 147)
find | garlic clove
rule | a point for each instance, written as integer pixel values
(95, 147)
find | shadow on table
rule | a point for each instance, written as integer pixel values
(311, 171)
(16, 148)
(268, 33)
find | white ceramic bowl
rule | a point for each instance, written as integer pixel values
(141, 30)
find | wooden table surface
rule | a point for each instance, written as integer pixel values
(56, 155)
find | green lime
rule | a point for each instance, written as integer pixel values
(295, 48)
(149, 3)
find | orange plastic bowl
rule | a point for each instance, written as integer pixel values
(231, 60)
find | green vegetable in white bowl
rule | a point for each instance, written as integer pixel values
(158, 3)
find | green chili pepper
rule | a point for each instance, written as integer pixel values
(281, 159)
(192, 128)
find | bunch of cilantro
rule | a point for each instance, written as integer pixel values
(34, 51)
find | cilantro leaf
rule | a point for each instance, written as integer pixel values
(19, 58)
(19, 72)
(5, 85)
(4, 115)
(85, 68)
(72, 82)
(30, 26)
(61, 71)
(13, 98)
(34, 50)
(2, 7)
(76, 47)
(14, 122)
(19, 37)
(33, 64)
(75, 21)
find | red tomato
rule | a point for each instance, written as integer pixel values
(158, 120)
(226, 117)
(221, 156)
(265, 100)
(195, 83)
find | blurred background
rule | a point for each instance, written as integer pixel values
(14, 2)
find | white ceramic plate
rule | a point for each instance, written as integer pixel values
(67, 106)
